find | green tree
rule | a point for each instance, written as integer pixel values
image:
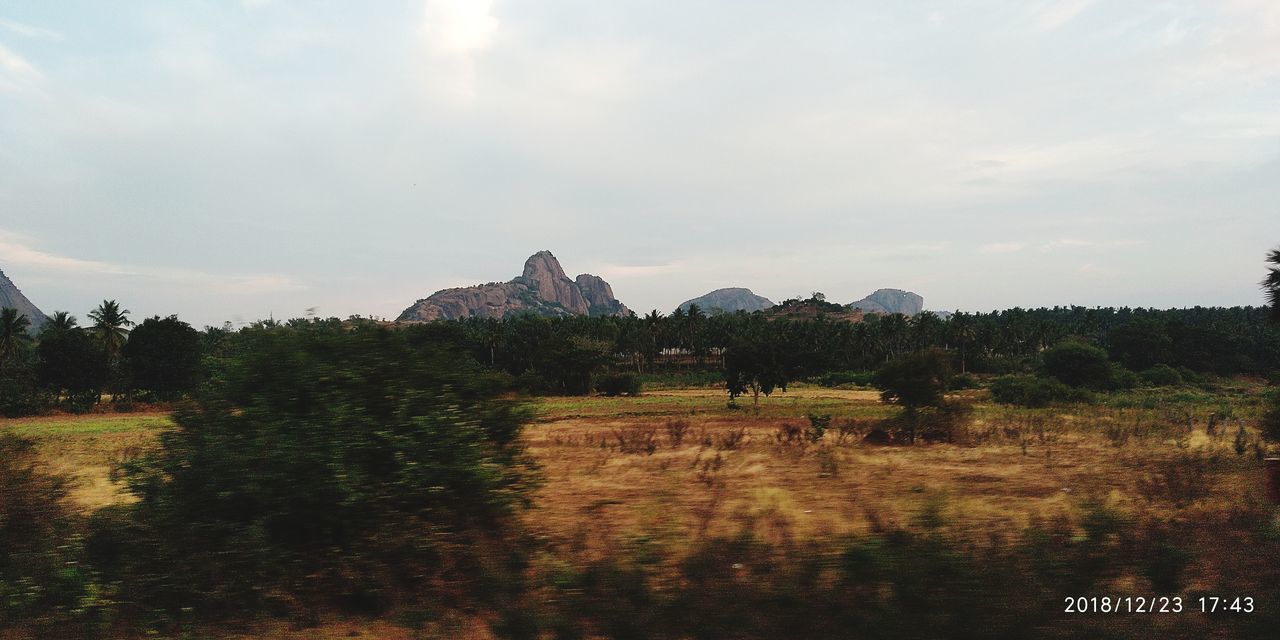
(71, 361)
(162, 357)
(1271, 284)
(111, 326)
(914, 382)
(61, 321)
(14, 333)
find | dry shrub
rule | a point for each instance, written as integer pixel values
(637, 439)
(789, 434)
(1185, 478)
(851, 429)
(676, 430)
(731, 439)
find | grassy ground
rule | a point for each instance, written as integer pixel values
(1148, 455)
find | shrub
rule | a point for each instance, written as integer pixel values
(676, 430)
(1122, 378)
(618, 384)
(1271, 420)
(637, 439)
(962, 381)
(1161, 375)
(323, 466)
(817, 427)
(845, 379)
(1034, 391)
(34, 574)
(19, 395)
(1078, 364)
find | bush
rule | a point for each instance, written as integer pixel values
(1162, 375)
(618, 384)
(19, 394)
(845, 379)
(1271, 420)
(1034, 391)
(1078, 364)
(324, 466)
(962, 381)
(1122, 378)
(34, 576)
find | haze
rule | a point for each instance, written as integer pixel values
(227, 161)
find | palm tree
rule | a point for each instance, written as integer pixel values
(109, 323)
(13, 333)
(1272, 284)
(61, 321)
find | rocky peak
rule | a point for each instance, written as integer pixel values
(728, 300)
(890, 301)
(11, 298)
(542, 288)
(543, 267)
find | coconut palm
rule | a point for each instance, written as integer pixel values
(13, 332)
(1272, 284)
(109, 326)
(61, 321)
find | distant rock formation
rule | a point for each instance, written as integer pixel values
(542, 289)
(889, 301)
(729, 300)
(12, 298)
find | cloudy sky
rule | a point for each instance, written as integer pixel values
(230, 160)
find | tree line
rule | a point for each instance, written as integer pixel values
(164, 358)
(71, 366)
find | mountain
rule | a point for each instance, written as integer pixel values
(11, 297)
(890, 301)
(542, 289)
(728, 301)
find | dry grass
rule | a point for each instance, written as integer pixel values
(673, 467)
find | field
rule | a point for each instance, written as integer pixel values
(673, 467)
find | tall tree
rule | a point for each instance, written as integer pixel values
(60, 321)
(1272, 284)
(162, 357)
(110, 325)
(13, 333)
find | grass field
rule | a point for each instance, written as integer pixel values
(615, 472)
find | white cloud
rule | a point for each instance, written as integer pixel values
(1094, 244)
(453, 33)
(1002, 247)
(459, 27)
(1060, 12)
(16, 250)
(30, 31)
(13, 63)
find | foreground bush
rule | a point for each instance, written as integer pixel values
(323, 467)
(37, 578)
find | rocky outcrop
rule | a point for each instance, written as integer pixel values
(599, 295)
(11, 298)
(542, 289)
(889, 301)
(729, 300)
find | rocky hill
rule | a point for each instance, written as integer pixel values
(729, 300)
(890, 301)
(542, 289)
(11, 297)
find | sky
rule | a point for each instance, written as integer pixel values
(230, 161)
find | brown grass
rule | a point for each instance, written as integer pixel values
(614, 472)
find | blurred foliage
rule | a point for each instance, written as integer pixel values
(326, 465)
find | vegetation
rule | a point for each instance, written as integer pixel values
(311, 473)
